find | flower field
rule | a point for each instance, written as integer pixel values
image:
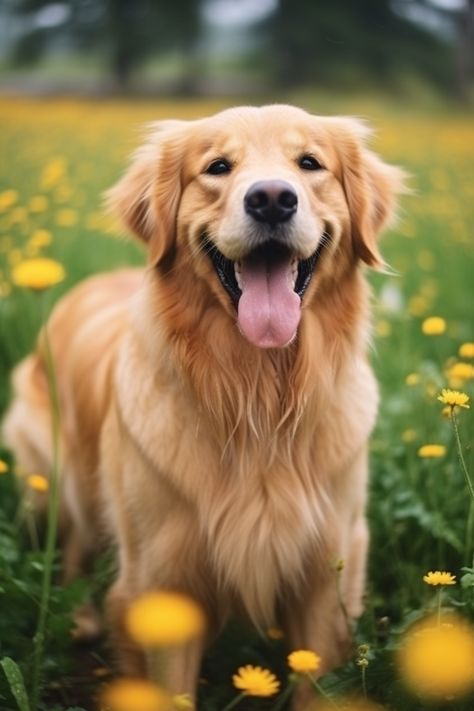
(414, 645)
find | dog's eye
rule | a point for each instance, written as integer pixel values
(308, 162)
(218, 167)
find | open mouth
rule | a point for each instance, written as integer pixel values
(267, 287)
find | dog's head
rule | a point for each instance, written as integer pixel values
(265, 206)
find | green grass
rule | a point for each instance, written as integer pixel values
(418, 508)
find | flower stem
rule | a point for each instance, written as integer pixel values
(470, 519)
(52, 521)
(440, 596)
(323, 693)
(284, 696)
(461, 456)
(235, 701)
(364, 681)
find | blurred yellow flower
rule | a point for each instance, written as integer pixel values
(436, 659)
(53, 173)
(3, 467)
(41, 238)
(37, 482)
(461, 371)
(164, 618)
(439, 577)
(255, 681)
(412, 379)
(38, 274)
(418, 305)
(409, 435)
(38, 203)
(433, 326)
(304, 661)
(7, 199)
(432, 451)
(134, 695)
(453, 398)
(383, 328)
(66, 217)
(466, 350)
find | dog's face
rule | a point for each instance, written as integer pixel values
(264, 204)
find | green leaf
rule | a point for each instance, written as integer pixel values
(16, 682)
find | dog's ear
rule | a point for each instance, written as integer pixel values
(371, 187)
(147, 197)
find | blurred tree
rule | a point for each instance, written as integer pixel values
(125, 31)
(327, 40)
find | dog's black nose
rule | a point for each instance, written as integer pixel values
(271, 201)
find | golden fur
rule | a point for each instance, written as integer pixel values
(231, 472)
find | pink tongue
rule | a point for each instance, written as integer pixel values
(269, 308)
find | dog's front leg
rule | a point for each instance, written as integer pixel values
(318, 622)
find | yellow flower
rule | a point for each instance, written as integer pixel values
(461, 371)
(38, 274)
(412, 379)
(432, 451)
(383, 328)
(38, 203)
(409, 435)
(439, 577)
(304, 661)
(41, 238)
(164, 618)
(3, 467)
(53, 173)
(436, 660)
(38, 482)
(134, 695)
(453, 398)
(66, 217)
(255, 681)
(433, 326)
(466, 350)
(7, 199)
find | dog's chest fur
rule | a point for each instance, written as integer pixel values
(263, 497)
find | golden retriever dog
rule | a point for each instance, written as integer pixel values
(216, 407)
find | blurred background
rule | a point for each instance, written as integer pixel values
(245, 47)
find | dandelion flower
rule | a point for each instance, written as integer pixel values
(66, 217)
(453, 398)
(461, 371)
(432, 451)
(3, 467)
(38, 482)
(7, 199)
(38, 274)
(304, 661)
(466, 350)
(436, 660)
(164, 618)
(255, 681)
(38, 203)
(439, 577)
(409, 435)
(41, 238)
(433, 326)
(134, 695)
(412, 379)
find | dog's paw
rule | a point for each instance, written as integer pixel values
(87, 623)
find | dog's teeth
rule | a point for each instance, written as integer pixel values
(294, 270)
(237, 274)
